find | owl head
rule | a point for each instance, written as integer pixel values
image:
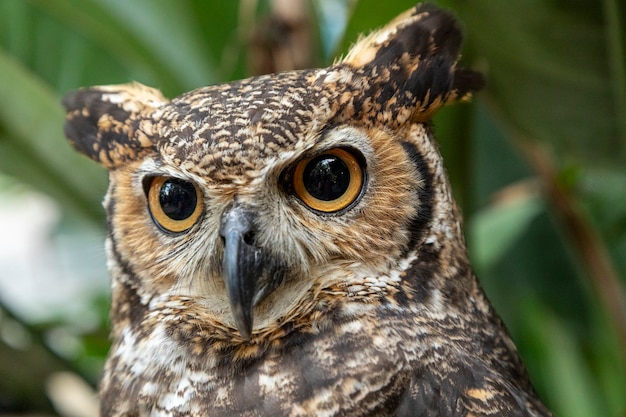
(252, 198)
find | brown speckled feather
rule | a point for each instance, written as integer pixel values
(238, 293)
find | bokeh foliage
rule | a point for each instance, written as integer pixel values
(537, 162)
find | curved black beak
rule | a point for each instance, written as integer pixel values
(242, 265)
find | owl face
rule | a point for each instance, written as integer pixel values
(258, 225)
(251, 197)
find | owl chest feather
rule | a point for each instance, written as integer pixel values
(174, 365)
(351, 358)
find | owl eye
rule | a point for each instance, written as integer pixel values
(330, 181)
(174, 204)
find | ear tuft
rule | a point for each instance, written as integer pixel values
(414, 59)
(110, 124)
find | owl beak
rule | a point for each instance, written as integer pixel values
(242, 264)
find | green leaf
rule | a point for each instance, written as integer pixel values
(167, 32)
(368, 15)
(496, 228)
(158, 41)
(556, 71)
(32, 146)
(572, 391)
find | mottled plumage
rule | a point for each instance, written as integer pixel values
(288, 244)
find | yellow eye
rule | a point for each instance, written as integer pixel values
(174, 204)
(330, 181)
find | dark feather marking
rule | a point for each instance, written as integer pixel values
(415, 39)
(466, 80)
(433, 78)
(81, 129)
(436, 39)
(127, 270)
(87, 134)
(421, 221)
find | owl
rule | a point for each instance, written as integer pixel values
(288, 244)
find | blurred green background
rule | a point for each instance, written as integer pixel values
(537, 162)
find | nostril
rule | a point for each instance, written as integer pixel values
(249, 238)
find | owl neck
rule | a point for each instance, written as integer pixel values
(440, 269)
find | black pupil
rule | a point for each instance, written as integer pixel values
(178, 199)
(326, 177)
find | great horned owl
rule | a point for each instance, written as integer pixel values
(288, 244)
